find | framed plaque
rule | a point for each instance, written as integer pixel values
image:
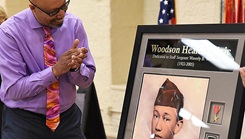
(174, 91)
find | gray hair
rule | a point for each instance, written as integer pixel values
(3, 13)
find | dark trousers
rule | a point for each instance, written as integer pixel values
(1, 110)
(21, 124)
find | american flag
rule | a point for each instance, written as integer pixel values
(167, 12)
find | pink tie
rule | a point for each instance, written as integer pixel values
(53, 100)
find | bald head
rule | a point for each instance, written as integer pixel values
(49, 12)
(48, 4)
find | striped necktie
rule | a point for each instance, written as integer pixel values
(53, 100)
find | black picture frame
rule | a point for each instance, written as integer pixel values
(233, 106)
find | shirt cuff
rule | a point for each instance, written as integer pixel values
(48, 76)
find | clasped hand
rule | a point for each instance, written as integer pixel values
(71, 59)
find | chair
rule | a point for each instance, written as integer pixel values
(92, 123)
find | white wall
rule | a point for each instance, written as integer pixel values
(198, 11)
(2, 3)
(187, 11)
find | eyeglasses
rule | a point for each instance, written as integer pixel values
(64, 7)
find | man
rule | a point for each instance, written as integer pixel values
(165, 121)
(44, 54)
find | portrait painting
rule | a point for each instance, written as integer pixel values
(192, 92)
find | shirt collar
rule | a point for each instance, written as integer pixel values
(33, 21)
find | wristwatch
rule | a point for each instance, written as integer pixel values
(74, 70)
